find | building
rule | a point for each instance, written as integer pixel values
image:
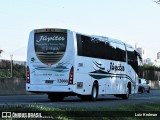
(145, 60)
(157, 63)
(142, 52)
(148, 61)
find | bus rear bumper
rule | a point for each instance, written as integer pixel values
(49, 88)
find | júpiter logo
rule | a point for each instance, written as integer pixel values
(51, 38)
(118, 67)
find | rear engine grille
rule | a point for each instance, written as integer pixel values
(50, 58)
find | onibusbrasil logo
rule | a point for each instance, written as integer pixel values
(24, 115)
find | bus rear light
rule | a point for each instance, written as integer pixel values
(71, 75)
(28, 74)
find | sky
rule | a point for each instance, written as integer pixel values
(132, 21)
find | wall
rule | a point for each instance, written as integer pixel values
(152, 76)
(154, 84)
(12, 86)
(149, 74)
(16, 86)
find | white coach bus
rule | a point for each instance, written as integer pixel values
(62, 63)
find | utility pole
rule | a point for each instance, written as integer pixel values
(11, 65)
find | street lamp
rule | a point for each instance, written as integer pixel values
(11, 66)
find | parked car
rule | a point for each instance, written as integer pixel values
(143, 86)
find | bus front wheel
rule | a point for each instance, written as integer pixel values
(126, 96)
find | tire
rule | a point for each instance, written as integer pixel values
(126, 96)
(142, 91)
(94, 94)
(148, 91)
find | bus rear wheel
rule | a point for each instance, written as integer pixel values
(94, 94)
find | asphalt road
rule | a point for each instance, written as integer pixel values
(103, 101)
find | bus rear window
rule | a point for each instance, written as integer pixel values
(50, 46)
(50, 42)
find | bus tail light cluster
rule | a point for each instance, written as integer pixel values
(71, 75)
(28, 74)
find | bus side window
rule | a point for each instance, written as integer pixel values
(132, 59)
(79, 45)
(121, 53)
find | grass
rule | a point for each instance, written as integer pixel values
(126, 112)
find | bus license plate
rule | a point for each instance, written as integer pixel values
(49, 81)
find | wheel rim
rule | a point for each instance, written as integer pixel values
(94, 92)
(127, 92)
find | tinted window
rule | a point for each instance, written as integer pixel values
(98, 48)
(50, 46)
(90, 47)
(132, 58)
(50, 42)
(112, 53)
(121, 53)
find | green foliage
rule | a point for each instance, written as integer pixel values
(126, 112)
(149, 67)
(149, 72)
(19, 71)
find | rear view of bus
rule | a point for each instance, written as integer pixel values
(49, 68)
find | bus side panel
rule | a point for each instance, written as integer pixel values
(111, 85)
(83, 80)
(30, 49)
(84, 84)
(102, 86)
(133, 76)
(122, 80)
(110, 80)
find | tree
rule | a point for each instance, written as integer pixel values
(157, 1)
(18, 72)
